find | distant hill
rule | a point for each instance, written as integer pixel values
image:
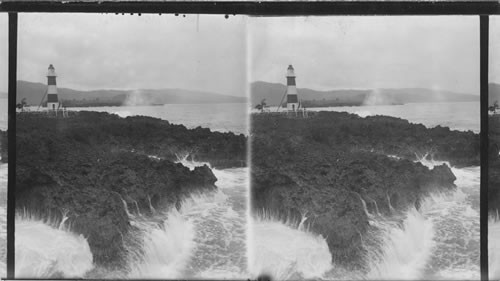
(493, 93)
(34, 92)
(273, 93)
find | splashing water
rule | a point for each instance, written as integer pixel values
(494, 248)
(44, 251)
(205, 238)
(285, 252)
(3, 219)
(167, 247)
(406, 249)
(443, 235)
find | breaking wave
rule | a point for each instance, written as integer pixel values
(46, 251)
(494, 248)
(285, 251)
(205, 238)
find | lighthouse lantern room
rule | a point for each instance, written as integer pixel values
(52, 99)
(292, 100)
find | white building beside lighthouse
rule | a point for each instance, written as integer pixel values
(52, 99)
(292, 98)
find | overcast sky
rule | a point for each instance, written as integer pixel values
(368, 52)
(494, 57)
(95, 51)
(3, 51)
(92, 51)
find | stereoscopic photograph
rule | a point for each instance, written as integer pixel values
(494, 151)
(131, 146)
(364, 148)
(184, 146)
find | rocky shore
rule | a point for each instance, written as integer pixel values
(88, 166)
(322, 167)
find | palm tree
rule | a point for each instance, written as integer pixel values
(22, 104)
(261, 105)
(493, 108)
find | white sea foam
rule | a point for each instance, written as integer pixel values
(285, 252)
(405, 249)
(43, 251)
(494, 248)
(3, 219)
(167, 248)
(205, 238)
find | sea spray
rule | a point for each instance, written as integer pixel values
(3, 218)
(285, 252)
(204, 238)
(494, 248)
(166, 247)
(404, 249)
(455, 214)
(198, 241)
(44, 251)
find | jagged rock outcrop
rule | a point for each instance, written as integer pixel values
(91, 164)
(323, 166)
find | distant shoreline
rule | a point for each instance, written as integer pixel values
(104, 104)
(274, 107)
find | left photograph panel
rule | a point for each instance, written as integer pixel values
(131, 147)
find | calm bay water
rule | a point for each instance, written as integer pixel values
(227, 117)
(460, 116)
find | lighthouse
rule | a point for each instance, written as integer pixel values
(292, 99)
(52, 99)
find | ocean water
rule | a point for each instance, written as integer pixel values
(440, 241)
(4, 117)
(227, 117)
(205, 239)
(462, 116)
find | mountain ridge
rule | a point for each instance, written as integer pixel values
(493, 93)
(273, 93)
(33, 92)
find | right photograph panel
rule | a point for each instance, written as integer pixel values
(494, 142)
(364, 147)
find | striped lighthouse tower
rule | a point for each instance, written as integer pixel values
(52, 99)
(292, 99)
